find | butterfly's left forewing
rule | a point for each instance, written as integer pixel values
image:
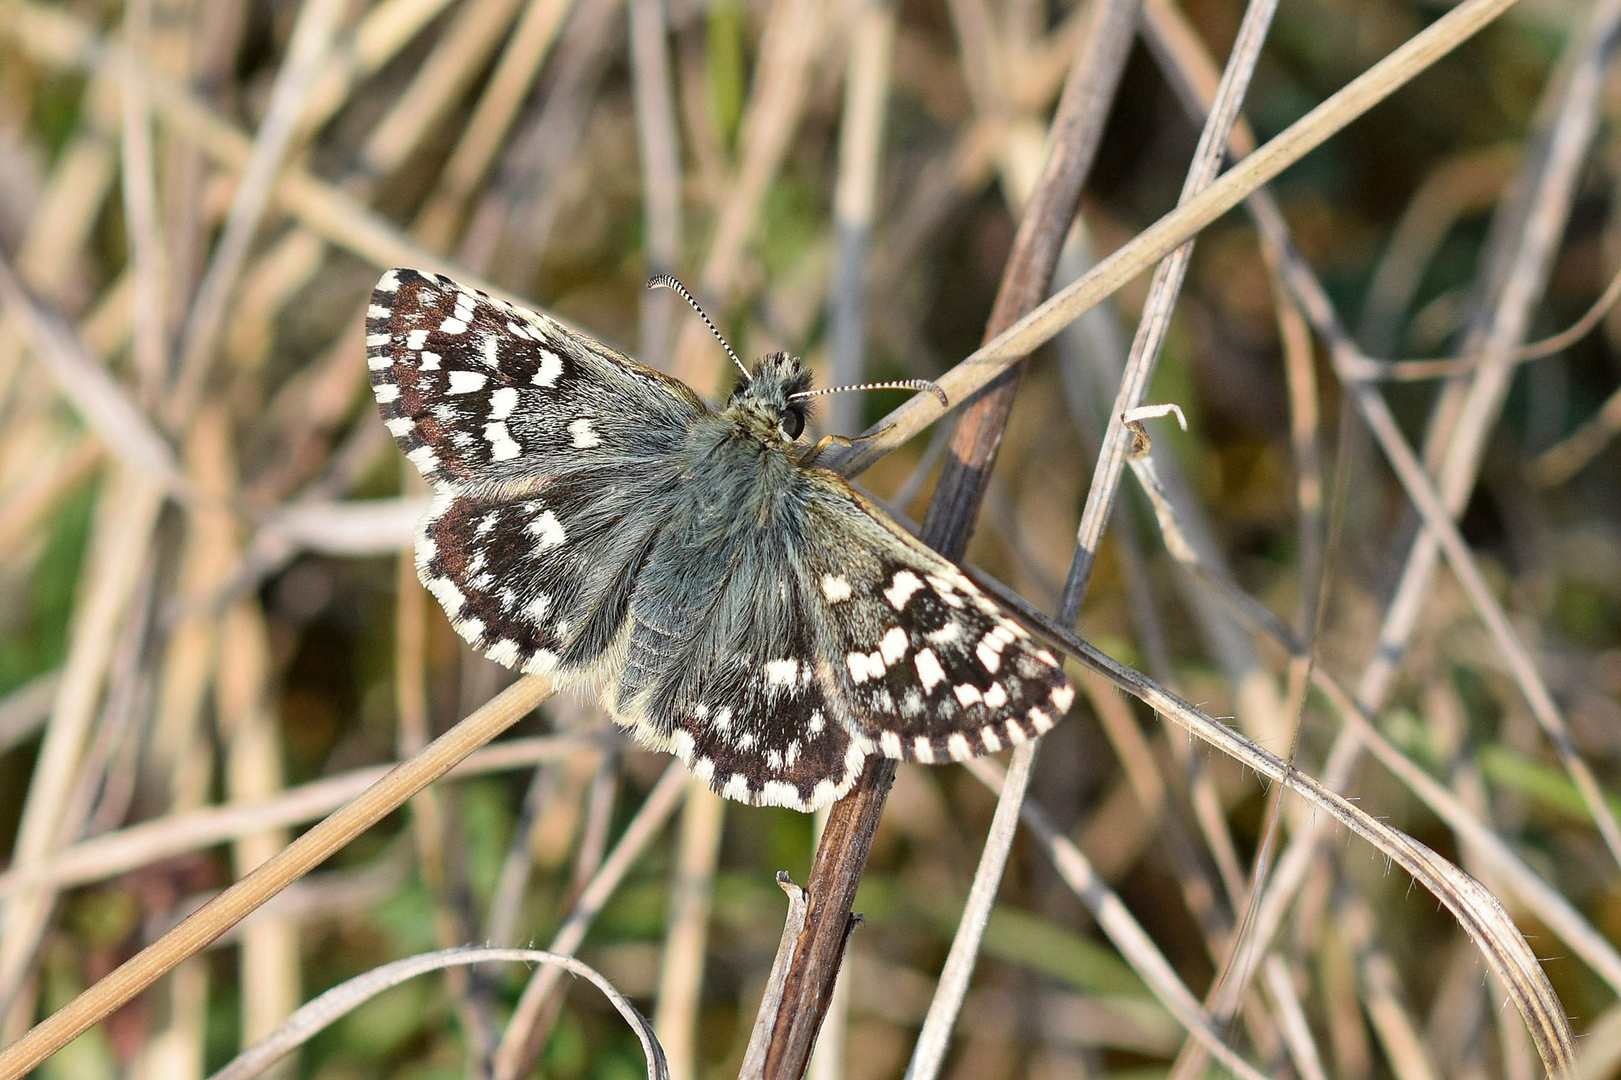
(483, 394)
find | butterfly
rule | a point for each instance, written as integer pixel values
(731, 603)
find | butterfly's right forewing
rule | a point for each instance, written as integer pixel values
(934, 670)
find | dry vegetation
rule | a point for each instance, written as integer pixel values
(1405, 580)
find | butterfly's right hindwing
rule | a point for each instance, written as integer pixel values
(722, 662)
(482, 394)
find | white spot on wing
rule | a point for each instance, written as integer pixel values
(502, 402)
(944, 589)
(995, 697)
(428, 361)
(988, 736)
(923, 750)
(835, 588)
(450, 598)
(781, 672)
(864, 666)
(929, 671)
(541, 663)
(466, 382)
(548, 530)
(375, 340)
(389, 281)
(502, 446)
(968, 694)
(424, 459)
(415, 339)
(778, 793)
(901, 588)
(453, 325)
(957, 746)
(386, 392)
(855, 759)
(398, 426)
(584, 437)
(1063, 696)
(890, 743)
(503, 652)
(893, 645)
(551, 366)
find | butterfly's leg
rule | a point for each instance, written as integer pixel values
(840, 440)
(823, 444)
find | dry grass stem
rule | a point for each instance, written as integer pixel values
(213, 637)
(308, 851)
(324, 1010)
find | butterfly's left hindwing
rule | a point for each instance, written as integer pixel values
(543, 583)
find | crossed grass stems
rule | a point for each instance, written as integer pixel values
(1550, 175)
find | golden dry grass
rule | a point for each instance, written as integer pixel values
(1400, 584)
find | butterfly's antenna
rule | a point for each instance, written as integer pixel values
(903, 384)
(665, 281)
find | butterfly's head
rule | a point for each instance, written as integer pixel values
(769, 402)
(765, 403)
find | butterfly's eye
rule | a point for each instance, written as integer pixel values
(793, 421)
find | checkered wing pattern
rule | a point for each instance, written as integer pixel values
(932, 668)
(596, 521)
(482, 393)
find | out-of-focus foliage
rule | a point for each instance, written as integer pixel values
(184, 655)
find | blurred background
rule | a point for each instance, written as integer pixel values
(207, 601)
